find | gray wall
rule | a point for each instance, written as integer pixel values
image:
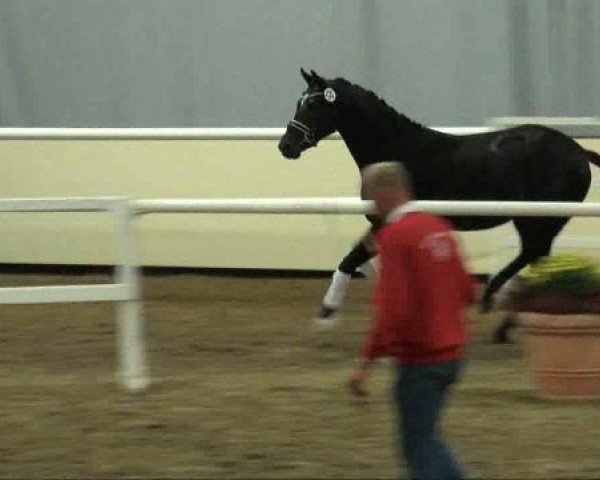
(235, 62)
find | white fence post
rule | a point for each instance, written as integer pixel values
(133, 371)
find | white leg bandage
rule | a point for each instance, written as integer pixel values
(337, 290)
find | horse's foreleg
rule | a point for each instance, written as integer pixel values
(368, 270)
(335, 295)
(359, 256)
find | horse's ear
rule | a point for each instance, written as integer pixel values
(307, 78)
(317, 79)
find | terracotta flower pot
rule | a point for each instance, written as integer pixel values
(563, 351)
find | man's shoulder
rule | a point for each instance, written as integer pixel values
(412, 228)
(437, 222)
(419, 221)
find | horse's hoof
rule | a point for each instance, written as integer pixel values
(327, 319)
(501, 337)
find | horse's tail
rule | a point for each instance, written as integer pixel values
(594, 158)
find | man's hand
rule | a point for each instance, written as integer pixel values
(358, 379)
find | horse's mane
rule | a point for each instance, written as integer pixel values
(377, 105)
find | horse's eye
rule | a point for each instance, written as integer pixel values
(310, 102)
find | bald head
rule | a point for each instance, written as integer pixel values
(386, 176)
(388, 185)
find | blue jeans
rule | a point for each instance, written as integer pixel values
(420, 394)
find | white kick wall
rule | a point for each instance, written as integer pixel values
(199, 169)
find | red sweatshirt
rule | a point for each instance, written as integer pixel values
(422, 292)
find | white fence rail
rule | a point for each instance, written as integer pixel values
(352, 205)
(174, 133)
(133, 371)
(578, 127)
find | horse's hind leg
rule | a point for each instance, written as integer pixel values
(524, 258)
(334, 298)
(537, 236)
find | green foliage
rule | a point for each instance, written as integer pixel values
(562, 274)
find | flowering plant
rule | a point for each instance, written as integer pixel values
(558, 284)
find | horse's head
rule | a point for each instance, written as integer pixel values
(314, 117)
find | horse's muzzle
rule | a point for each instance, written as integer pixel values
(287, 150)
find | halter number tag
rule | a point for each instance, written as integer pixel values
(329, 95)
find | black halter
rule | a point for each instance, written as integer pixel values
(307, 134)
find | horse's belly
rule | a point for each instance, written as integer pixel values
(467, 224)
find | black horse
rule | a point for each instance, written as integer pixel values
(526, 163)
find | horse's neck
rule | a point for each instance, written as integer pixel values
(377, 139)
(366, 143)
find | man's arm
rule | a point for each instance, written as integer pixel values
(468, 285)
(389, 307)
(389, 300)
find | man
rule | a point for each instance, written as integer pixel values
(420, 298)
